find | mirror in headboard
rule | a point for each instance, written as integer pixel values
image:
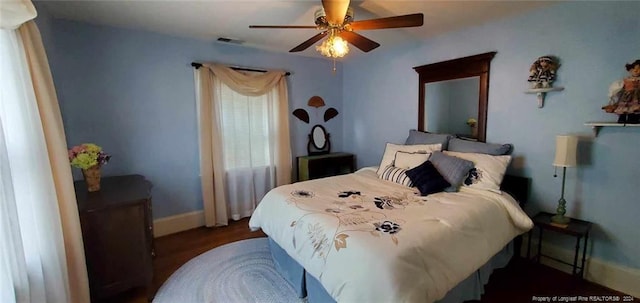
(453, 92)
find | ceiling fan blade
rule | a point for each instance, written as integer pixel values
(306, 44)
(412, 20)
(363, 43)
(335, 10)
(282, 26)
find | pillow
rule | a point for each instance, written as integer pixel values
(488, 171)
(391, 149)
(410, 160)
(418, 137)
(466, 146)
(396, 174)
(427, 179)
(453, 169)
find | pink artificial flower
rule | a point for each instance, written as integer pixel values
(78, 148)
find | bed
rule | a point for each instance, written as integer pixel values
(375, 236)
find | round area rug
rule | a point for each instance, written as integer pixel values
(240, 272)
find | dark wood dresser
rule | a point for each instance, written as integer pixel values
(320, 166)
(117, 230)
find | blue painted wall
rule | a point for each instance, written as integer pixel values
(593, 40)
(133, 93)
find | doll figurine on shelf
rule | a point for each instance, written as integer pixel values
(543, 72)
(624, 96)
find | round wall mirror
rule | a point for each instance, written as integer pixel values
(318, 141)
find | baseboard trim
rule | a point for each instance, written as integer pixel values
(617, 277)
(174, 224)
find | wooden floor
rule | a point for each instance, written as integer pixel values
(520, 281)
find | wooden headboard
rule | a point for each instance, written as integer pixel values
(517, 187)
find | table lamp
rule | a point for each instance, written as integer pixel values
(566, 147)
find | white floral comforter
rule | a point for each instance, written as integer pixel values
(370, 240)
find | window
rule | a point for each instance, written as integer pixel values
(245, 149)
(245, 129)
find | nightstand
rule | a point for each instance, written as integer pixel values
(320, 166)
(576, 228)
(117, 231)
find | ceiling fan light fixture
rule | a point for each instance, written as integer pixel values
(333, 47)
(335, 20)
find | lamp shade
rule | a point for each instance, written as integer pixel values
(566, 147)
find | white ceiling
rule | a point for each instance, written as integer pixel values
(210, 19)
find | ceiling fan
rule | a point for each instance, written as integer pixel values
(335, 20)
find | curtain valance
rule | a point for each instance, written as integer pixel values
(249, 84)
(14, 13)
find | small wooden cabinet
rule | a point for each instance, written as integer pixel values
(117, 230)
(320, 166)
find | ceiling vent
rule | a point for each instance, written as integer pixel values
(229, 40)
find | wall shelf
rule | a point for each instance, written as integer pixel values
(597, 125)
(542, 92)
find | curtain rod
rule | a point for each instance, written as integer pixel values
(198, 65)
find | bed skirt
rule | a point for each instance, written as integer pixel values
(288, 268)
(471, 288)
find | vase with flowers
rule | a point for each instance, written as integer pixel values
(473, 123)
(89, 157)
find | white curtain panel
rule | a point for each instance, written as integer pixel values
(248, 158)
(39, 225)
(13, 276)
(34, 195)
(244, 137)
(56, 142)
(246, 187)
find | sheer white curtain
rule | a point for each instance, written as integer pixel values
(244, 139)
(39, 226)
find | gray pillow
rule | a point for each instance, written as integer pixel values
(418, 137)
(453, 169)
(466, 146)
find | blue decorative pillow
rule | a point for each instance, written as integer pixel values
(418, 137)
(466, 146)
(453, 169)
(427, 178)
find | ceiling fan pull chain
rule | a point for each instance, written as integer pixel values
(334, 66)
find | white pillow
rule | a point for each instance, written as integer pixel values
(410, 160)
(488, 172)
(391, 150)
(397, 175)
